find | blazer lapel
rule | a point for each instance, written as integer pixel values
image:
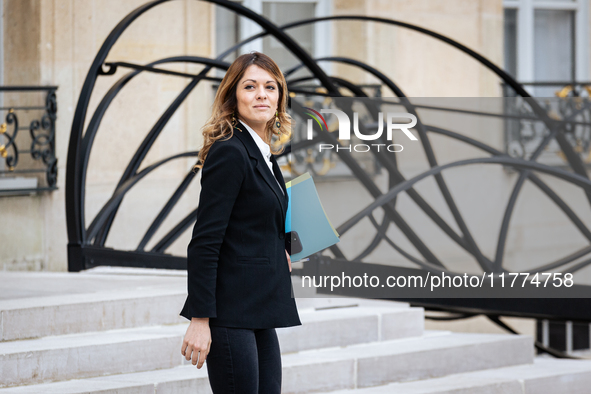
(261, 166)
(279, 176)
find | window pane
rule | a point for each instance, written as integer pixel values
(511, 42)
(281, 13)
(227, 31)
(553, 48)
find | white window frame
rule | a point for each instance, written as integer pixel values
(525, 35)
(322, 31)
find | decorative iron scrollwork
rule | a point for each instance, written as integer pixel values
(86, 247)
(42, 140)
(524, 131)
(10, 159)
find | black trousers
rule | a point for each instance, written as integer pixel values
(244, 361)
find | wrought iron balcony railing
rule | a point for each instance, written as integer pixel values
(27, 139)
(563, 101)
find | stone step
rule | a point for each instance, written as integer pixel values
(51, 304)
(90, 354)
(78, 313)
(55, 358)
(343, 326)
(544, 376)
(361, 365)
(181, 379)
(38, 304)
(433, 355)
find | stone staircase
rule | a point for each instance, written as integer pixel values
(106, 333)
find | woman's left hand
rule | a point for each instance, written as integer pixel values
(288, 260)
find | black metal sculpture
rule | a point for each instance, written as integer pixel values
(86, 246)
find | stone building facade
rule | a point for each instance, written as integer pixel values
(53, 42)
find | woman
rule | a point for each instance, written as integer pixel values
(239, 281)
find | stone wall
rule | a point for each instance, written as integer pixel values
(423, 66)
(53, 42)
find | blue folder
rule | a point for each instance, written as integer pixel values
(306, 216)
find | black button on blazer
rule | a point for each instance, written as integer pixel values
(238, 274)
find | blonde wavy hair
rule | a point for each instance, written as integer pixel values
(225, 104)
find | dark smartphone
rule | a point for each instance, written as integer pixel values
(293, 245)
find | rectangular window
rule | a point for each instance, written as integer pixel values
(314, 38)
(282, 13)
(227, 33)
(554, 40)
(547, 49)
(510, 39)
(547, 41)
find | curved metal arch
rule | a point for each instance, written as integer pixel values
(372, 70)
(382, 227)
(571, 156)
(384, 199)
(532, 177)
(508, 79)
(136, 161)
(95, 121)
(525, 165)
(484, 61)
(468, 242)
(504, 228)
(375, 192)
(119, 193)
(423, 264)
(151, 137)
(331, 83)
(393, 171)
(564, 261)
(579, 266)
(163, 214)
(418, 199)
(174, 233)
(386, 220)
(75, 228)
(345, 17)
(212, 63)
(573, 159)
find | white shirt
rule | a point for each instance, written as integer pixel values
(264, 148)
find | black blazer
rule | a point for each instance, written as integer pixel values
(238, 274)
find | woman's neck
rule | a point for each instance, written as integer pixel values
(259, 129)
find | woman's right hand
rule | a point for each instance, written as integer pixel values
(197, 341)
